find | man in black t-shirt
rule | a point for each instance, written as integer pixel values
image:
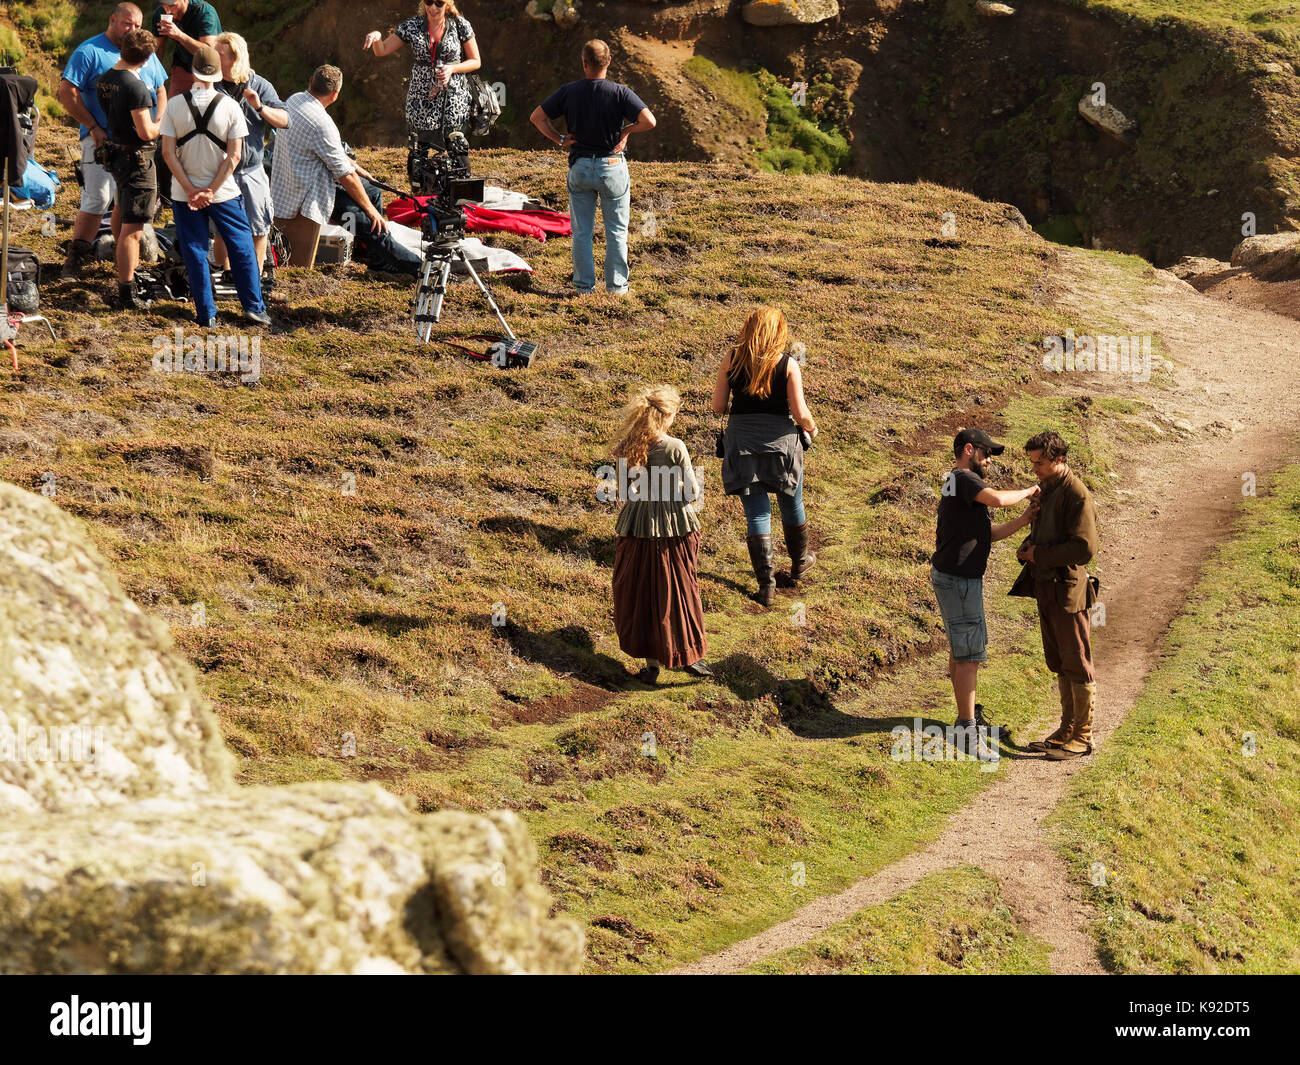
(962, 541)
(130, 154)
(599, 115)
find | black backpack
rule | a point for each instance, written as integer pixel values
(24, 289)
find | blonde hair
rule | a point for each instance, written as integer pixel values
(645, 419)
(240, 71)
(759, 349)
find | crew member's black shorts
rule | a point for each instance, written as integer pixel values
(136, 178)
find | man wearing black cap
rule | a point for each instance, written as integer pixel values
(962, 541)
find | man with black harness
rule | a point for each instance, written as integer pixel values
(202, 136)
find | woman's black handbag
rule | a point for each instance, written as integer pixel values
(805, 438)
(720, 448)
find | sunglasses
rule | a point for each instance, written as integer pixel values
(435, 3)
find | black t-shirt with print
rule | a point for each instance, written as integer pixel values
(120, 92)
(965, 531)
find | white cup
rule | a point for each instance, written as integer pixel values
(167, 19)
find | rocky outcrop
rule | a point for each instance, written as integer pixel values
(789, 12)
(126, 846)
(563, 12)
(95, 708)
(1270, 256)
(989, 9)
(1109, 119)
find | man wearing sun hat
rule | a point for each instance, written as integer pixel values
(963, 538)
(202, 137)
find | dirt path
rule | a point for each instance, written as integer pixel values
(1236, 397)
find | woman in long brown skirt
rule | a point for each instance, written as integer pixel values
(658, 612)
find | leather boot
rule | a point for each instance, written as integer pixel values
(78, 256)
(796, 542)
(1079, 741)
(1067, 719)
(760, 557)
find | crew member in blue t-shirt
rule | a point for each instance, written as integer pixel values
(599, 115)
(78, 96)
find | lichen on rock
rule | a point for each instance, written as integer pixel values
(136, 852)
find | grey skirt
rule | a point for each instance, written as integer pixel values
(761, 454)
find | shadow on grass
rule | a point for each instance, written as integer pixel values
(569, 650)
(600, 549)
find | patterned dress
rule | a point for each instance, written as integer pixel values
(449, 110)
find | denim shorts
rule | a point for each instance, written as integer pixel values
(961, 602)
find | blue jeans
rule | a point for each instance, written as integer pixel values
(192, 236)
(758, 510)
(590, 179)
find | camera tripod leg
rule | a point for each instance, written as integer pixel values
(484, 289)
(439, 292)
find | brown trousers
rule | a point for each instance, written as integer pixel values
(303, 236)
(1067, 640)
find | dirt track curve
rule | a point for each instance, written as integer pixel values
(1237, 382)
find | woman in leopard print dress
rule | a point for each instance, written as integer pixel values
(435, 107)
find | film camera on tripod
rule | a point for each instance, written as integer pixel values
(441, 174)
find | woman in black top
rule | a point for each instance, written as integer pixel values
(763, 453)
(444, 50)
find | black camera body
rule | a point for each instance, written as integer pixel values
(443, 175)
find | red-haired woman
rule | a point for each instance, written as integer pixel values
(763, 450)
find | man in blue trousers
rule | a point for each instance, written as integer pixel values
(202, 139)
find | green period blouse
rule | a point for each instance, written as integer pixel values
(660, 496)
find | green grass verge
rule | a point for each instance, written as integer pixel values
(952, 922)
(1184, 828)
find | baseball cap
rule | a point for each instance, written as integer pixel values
(979, 438)
(207, 64)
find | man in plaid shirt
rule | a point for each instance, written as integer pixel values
(309, 159)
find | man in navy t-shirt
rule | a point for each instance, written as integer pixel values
(599, 115)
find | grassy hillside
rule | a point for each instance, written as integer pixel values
(350, 636)
(1185, 826)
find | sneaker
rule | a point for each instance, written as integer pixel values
(207, 323)
(971, 737)
(260, 317)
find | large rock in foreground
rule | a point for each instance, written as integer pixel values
(132, 850)
(314, 878)
(789, 12)
(95, 707)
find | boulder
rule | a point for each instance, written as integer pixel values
(1190, 266)
(95, 707)
(1271, 256)
(129, 848)
(789, 12)
(1108, 119)
(989, 9)
(565, 13)
(311, 878)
